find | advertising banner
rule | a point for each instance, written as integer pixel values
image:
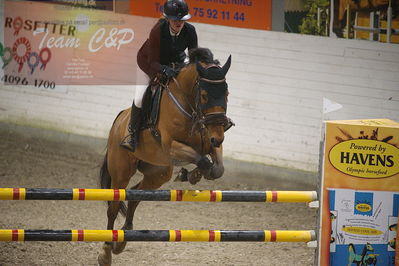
(359, 192)
(253, 14)
(363, 227)
(46, 45)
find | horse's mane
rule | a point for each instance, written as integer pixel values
(203, 55)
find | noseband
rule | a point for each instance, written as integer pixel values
(217, 119)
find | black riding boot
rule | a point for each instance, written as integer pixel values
(131, 141)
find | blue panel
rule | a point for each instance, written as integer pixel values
(363, 199)
(395, 205)
(331, 199)
(345, 254)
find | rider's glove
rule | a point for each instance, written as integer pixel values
(182, 56)
(169, 72)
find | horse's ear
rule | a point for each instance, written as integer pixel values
(201, 70)
(226, 66)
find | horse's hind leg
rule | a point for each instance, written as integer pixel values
(118, 247)
(121, 168)
(154, 178)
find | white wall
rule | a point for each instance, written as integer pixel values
(277, 83)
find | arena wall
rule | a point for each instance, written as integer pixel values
(277, 84)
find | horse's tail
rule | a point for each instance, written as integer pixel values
(105, 178)
(105, 183)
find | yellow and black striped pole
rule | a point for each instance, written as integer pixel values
(155, 195)
(159, 235)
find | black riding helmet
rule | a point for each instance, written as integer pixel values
(176, 10)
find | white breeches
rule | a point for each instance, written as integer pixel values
(138, 96)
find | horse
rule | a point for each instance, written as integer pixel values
(361, 6)
(364, 258)
(190, 128)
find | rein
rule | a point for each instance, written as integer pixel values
(176, 102)
(197, 121)
(194, 115)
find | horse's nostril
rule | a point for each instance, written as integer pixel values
(215, 142)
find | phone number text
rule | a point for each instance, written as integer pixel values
(16, 80)
(211, 13)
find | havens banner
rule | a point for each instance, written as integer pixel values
(46, 45)
(365, 158)
(359, 191)
(253, 14)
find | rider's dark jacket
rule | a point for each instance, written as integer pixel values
(161, 48)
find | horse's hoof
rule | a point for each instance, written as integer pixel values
(118, 247)
(104, 260)
(182, 175)
(194, 176)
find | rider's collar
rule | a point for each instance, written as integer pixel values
(174, 34)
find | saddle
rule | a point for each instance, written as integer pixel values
(152, 100)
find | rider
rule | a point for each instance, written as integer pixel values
(168, 40)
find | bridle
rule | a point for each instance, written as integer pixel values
(199, 120)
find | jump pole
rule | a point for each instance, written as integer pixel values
(159, 235)
(156, 195)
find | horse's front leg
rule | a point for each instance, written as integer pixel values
(183, 152)
(216, 170)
